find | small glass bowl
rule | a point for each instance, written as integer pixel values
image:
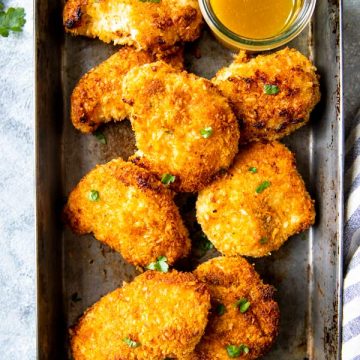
(234, 41)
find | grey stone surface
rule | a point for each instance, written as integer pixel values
(17, 240)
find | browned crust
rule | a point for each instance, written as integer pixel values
(135, 213)
(100, 331)
(270, 117)
(97, 98)
(230, 279)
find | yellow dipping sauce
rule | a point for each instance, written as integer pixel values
(256, 19)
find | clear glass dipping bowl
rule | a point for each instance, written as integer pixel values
(234, 41)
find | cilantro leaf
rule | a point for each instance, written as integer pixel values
(243, 305)
(159, 265)
(13, 19)
(270, 89)
(131, 343)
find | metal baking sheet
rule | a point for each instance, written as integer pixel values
(75, 272)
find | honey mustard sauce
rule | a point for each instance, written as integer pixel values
(256, 19)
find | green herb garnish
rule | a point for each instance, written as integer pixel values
(13, 19)
(167, 179)
(101, 137)
(220, 309)
(203, 245)
(271, 89)
(206, 132)
(159, 265)
(243, 305)
(264, 185)
(263, 240)
(94, 195)
(253, 169)
(131, 343)
(235, 351)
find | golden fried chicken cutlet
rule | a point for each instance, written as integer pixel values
(183, 126)
(147, 25)
(155, 317)
(127, 208)
(97, 98)
(272, 95)
(244, 319)
(258, 204)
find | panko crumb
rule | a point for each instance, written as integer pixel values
(293, 91)
(183, 125)
(258, 204)
(253, 327)
(156, 316)
(97, 98)
(146, 25)
(127, 208)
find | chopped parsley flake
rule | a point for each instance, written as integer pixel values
(167, 179)
(264, 185)
(159, 265)
(206, 132)
(263, 240)
(235, 351)
(243, 305)
(203, 245)
(253, 169)
(131, 343)
(220, 309)
(271, 89)
(94, 195)
(101, 137)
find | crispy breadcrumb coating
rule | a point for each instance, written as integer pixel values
(254, 208)
(147, 25)
(264, 116)
(183, 125)
(127, 208)
(157, 316)
(230, 279)
(97, 98)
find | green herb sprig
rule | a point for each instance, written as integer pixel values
(271, 89)
(235, 351)
(243, 305)
(13, 19)
(264, 185)
(131, 343)
(159, 265)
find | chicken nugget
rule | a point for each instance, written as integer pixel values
(157, 316)
(185, 129)
(127, 208)
(244, 319)
(272, 95)
(147, 25)
(97, 98)
(258, 204)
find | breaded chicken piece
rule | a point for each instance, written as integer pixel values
(254, 208)
(244, 314)
(272, 95)
(97, 98)
(147, 25)
(183, 125)
(157, 316)
(127, 208)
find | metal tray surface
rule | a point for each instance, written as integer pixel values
(74, 272)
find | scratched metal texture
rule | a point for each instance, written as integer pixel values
(74, 272)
